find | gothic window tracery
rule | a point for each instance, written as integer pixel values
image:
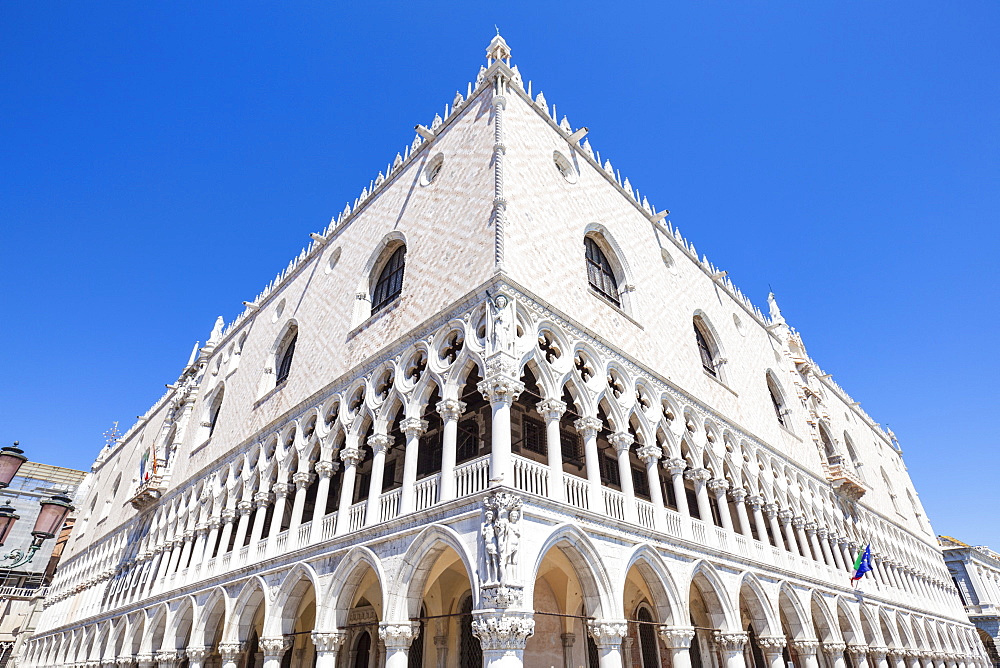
(707, 349)
(389, 285)
(600, 273)
(776, 401)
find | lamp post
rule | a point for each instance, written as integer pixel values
(50, 518)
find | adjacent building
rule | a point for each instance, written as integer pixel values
(501, 413)
(23, 588)
(975, 570)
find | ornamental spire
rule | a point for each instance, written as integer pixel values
(497, 50)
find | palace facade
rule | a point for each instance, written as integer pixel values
(500, 413)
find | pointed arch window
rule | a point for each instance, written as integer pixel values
(213, 412)
(600, 273)
(706, 350)
(776, 401)
(389, 285)
(285, 359)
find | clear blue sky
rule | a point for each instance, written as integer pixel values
(161, 162)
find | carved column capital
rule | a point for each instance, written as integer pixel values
(621, 441)
(677, 637)
(650, 453)
(230, 651)
(785, 516)
(756, 502)
(799, 522)
(145, 661)
(806, 647)
(450, 409)
(301, 479)
(607, 632)
(588, 426)
(675, 466)
(379, 443)
(323, 469)
(772, 644)
(500, 389)
(350, 455)
(770, 510)
(281, 490)
(738, 494)
(878, 653)
(274, 648)
(331, 641)
(262, 499)
(718, 486)
(165, 659)
(412, 426)
(244, 508)
(834, 648)
(699, 475)
(198, 654)
(551, 409)
(398, 635)
(857, 651)
(502, 631)
(731, 642)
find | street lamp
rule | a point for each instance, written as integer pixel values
(50, 518)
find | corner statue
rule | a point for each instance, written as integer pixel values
(501, 533)
(500, 326)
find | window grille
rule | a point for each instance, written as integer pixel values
(609, 471)
(285, 365)
(390, 282)
(570, 443)
(470, 651)
(647, 640)
(534, 435)
(707, 357)
(640, 482)
(599, 272)
(468, 440)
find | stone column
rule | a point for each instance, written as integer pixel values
(699, 477)
(806, 649)
(350, 454)
(607, 635)
(650, 455)
(622, 442)
(196, 656)
(145, 661)
(397, 638)
(273, 650)
(849, 549)
(450, 411)
(771, 511)
(859, 654)
(243, 509)
(835, 654)
(261, 500)
(441, 645)
(281, 492)
(167, 659)
(588, 428)
(502, 636)
(501, 390)
(878, 656)
(814, 542)
(324, 471)
(327, 646)
(732, 645)
(568, 640)
(380, 444)
(824, 543)
(214, 524)
(412, 428)
(756, 503)
(552, 411)
(772, 647)
(676, 469)
(678, 641)
(201, 538)
(301, 480)
(718, 489)
(230, 654)
(739, 497)
(799, 523)
(785, 516)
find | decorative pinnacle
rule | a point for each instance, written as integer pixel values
(498, 49)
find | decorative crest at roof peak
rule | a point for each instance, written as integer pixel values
(498, 50)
